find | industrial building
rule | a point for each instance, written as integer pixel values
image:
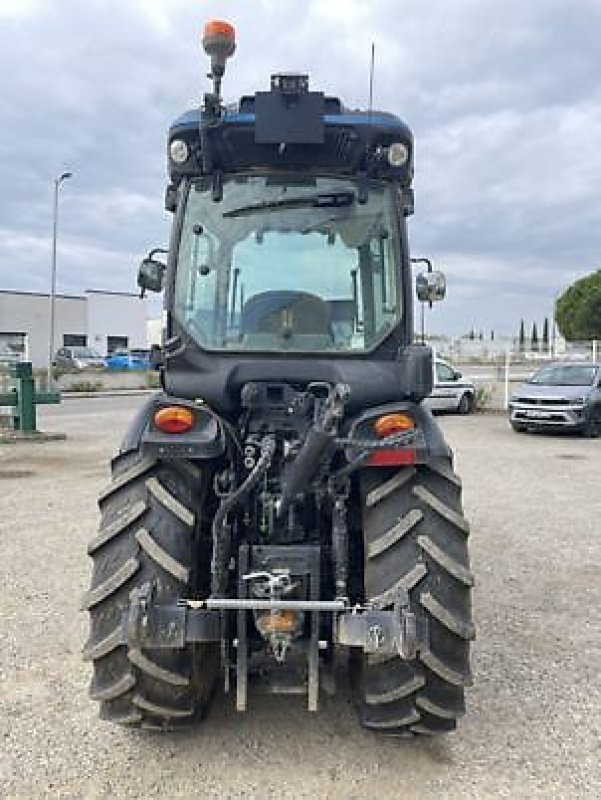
(105, 321)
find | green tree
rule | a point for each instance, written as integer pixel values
(534, 338)
(578, 309)
(545, 338)
(522, 337)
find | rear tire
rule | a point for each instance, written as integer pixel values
(592, 427)
(415, 538)
(148, 534)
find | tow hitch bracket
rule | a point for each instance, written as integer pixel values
(397, 631)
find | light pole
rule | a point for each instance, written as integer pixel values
(57, 183)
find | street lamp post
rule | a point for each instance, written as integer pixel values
(57, 183)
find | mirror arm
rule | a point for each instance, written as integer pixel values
(156, 250)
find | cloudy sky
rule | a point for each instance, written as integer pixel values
(504, 99)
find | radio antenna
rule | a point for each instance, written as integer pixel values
(362, 194)
(371, 79)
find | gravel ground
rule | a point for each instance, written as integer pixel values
(533, 727)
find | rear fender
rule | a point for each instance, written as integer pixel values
(431, 444)
(206, 439)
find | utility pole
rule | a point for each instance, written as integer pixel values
(57, 183)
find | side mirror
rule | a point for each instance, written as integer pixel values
(150, 275)
(430, 286)
(458, 375)
(171, 197)
(157, 359)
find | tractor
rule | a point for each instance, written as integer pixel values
(284, 513)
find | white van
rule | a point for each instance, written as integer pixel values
(451, 392)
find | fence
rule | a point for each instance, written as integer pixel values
(497, 373)
(19, 397)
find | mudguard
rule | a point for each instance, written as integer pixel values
(433, 445)
(206, 440)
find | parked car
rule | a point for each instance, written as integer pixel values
(561, 396)
(451, 391)
(78, 357)
(128, 359)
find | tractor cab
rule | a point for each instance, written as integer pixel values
(289, 236)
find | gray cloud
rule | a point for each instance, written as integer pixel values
(503, 98)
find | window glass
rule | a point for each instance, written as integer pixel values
(284, 264)
(444, 373)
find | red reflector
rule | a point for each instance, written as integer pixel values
(174, 419)
(391, 458)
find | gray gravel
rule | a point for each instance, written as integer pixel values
(533, 727)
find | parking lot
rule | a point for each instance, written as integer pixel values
(533, 727)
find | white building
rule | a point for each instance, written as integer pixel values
(104, 321)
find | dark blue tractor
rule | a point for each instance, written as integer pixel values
(285, 507)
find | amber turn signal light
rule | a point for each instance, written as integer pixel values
(174, 419)
(219, 39)
(390, 424)
(218, 27)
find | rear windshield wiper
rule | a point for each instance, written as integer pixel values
(322, 200)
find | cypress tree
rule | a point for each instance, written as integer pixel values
(534, 338)
(522, 337)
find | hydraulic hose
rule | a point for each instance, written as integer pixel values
(219, 529)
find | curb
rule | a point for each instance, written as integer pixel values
(110, 393)
(35, 437)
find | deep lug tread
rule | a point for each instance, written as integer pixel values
(161, 557)
(404, 583)
(145, 664)
(163, 496)
(423, 730)
(111, 584)
(161, 710)
(147, 536)
(392, 485)
(136, 471)
(129, 718)
(451, 621)
(444, 671)
(441, 508)
(102, 647)
(392, 536)
(116, 527)
(446, 472)
(113, 690)
(426, 704)
(430, 562)
(396, 693)
(393, 721)
(444, 560)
